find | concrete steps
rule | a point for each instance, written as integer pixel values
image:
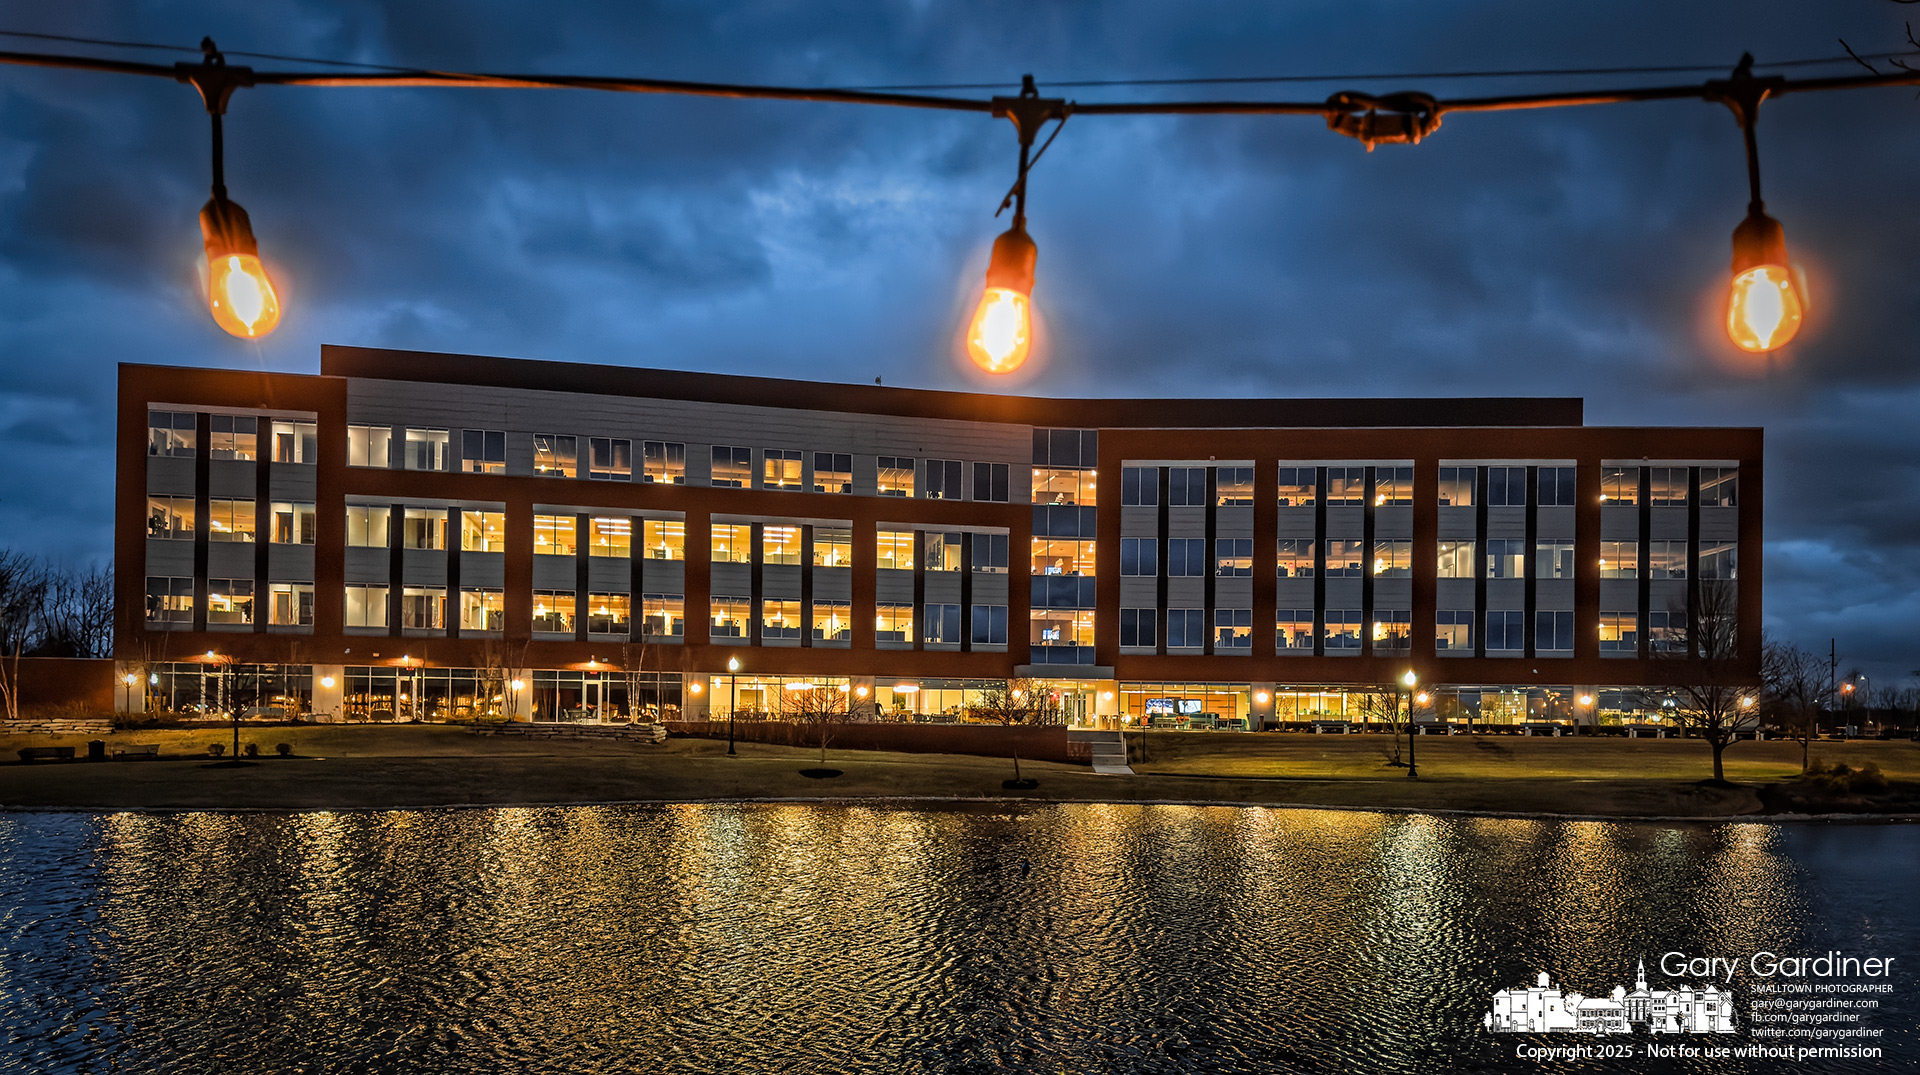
(1109, 749)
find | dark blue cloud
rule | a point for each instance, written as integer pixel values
(1571, 252)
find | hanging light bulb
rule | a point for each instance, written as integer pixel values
(1002, 328)
(239, 292)
(1767, 300)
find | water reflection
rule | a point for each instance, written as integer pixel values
(804, 938)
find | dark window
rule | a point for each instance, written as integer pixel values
(990, 625)
(990, 482)
(1139, 556)
(1506, 630)
(1507, 486)
(1186, 627)
(1136, 627)
(1186, 557)
(1556, 487)
(1186, 486)
(943, 480)
(1140, 485)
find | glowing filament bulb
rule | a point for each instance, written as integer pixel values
(1764, 309)
(1001, 332)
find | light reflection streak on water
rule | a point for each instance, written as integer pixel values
(859, 939)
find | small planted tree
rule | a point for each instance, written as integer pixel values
(1383, 704)
(1698, 669)
(1795, 688)
(817, 706)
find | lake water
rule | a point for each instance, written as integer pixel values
(853, 940)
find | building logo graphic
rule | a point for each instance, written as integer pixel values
(1544, 1008)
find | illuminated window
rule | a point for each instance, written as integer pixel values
(366, 606)
(732, 467)
(612, 535)
(1293, 628)
(556, 455)
(1343, 631)
(1062, 556)
(666, 539)
(1392, 486)
(424, 528)
(664, 463)
(1620, 485)
(367, 525)
(1346, 559)
(1619, 559)
(1456, 560)
(731, 544)
(555, 535)
(1393, 559)
(229, 600)
(1233, 487)
(1347, 486)
(233, 436)
(554, 611)
(1233, 556)
(1619, 634)
(293, 524)
(832, 621)
(369, 446)
(609, 459)
(832, 547)
(608, 614)
(1295, 558)
(169, 602)
(290, 604)
(1233, 628)
(1063, 485)
(171, 433)
(299, 442)
(423, 449)
(893, 623)
(729, 616)
(943, 551)
(1061, 627)
(895, 475)
(779, 618)
(781, 469)
(1456, 486)
(482, 531)
(482, 610)
(423, 608)
(1298, 487)
(832, 473)
(1453, 633)
(779, 545)
(1392, 631)
(1719, 487)
(170, 517)
(663, 615)
(893, 550)
(1553, 559)
(482, 451)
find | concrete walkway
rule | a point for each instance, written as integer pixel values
(1109, 750)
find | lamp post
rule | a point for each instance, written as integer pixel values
(1411, 681)
(733, 698)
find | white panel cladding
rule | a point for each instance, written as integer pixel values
(670, 576)
(1297, 523)
(892, 587)
(229, 560)
(1504, 522)
(836, 584)
(1393, 521)
(781, 581)
(990, 589)
(1509, 595)
(366, 566)
(291, 481)
(1346, 522)
(232, 478)
(1233, 593)
(1393, 593)
(1233, 522)
(1138, 592)
(483, 570)
(1342, 593)
(1553, 595)
(1186, 593)
(1295, 593)
(943, 587)
(610, 574)
(166, 557)
(424, 567)
(1620, 524)
(1554, 522)
(290, 563)
(1186, 522)
(1457, 524)
(729, 580)
(1719, 524)
(1668, 524)
(1453, 594)
(519, 450)
(698, 425)
(1619, 595)
(168, 476)
(1136, 521)
(555, 573)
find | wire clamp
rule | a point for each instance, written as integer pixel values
(1394, 119)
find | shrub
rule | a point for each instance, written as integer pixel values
(251, 750)
(283, 749)
(216, 749)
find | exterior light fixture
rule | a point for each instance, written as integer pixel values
(327, 682)
(1001, 332)
(1586, 699)
(861, 691)
(518, 683)
(693, 688)
(130, 679)
(1767, 299)
(1422, 697)
(240, 295)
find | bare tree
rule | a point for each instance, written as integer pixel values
(1020, 701)
(1383, 704)
(1795, 682)
(23, 587)
(76, 614)
(1698, 669)
(500, 662)
(819, 706)
(634, 655)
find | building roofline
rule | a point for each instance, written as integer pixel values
(374, 363)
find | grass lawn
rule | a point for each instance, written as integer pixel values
(341, 767)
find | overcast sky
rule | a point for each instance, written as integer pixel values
(1576, 252)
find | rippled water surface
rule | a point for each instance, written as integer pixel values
(847, 939)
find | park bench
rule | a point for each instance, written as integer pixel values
(1340, 726)
(1534, 727)
(137, 750)
(33, 754)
